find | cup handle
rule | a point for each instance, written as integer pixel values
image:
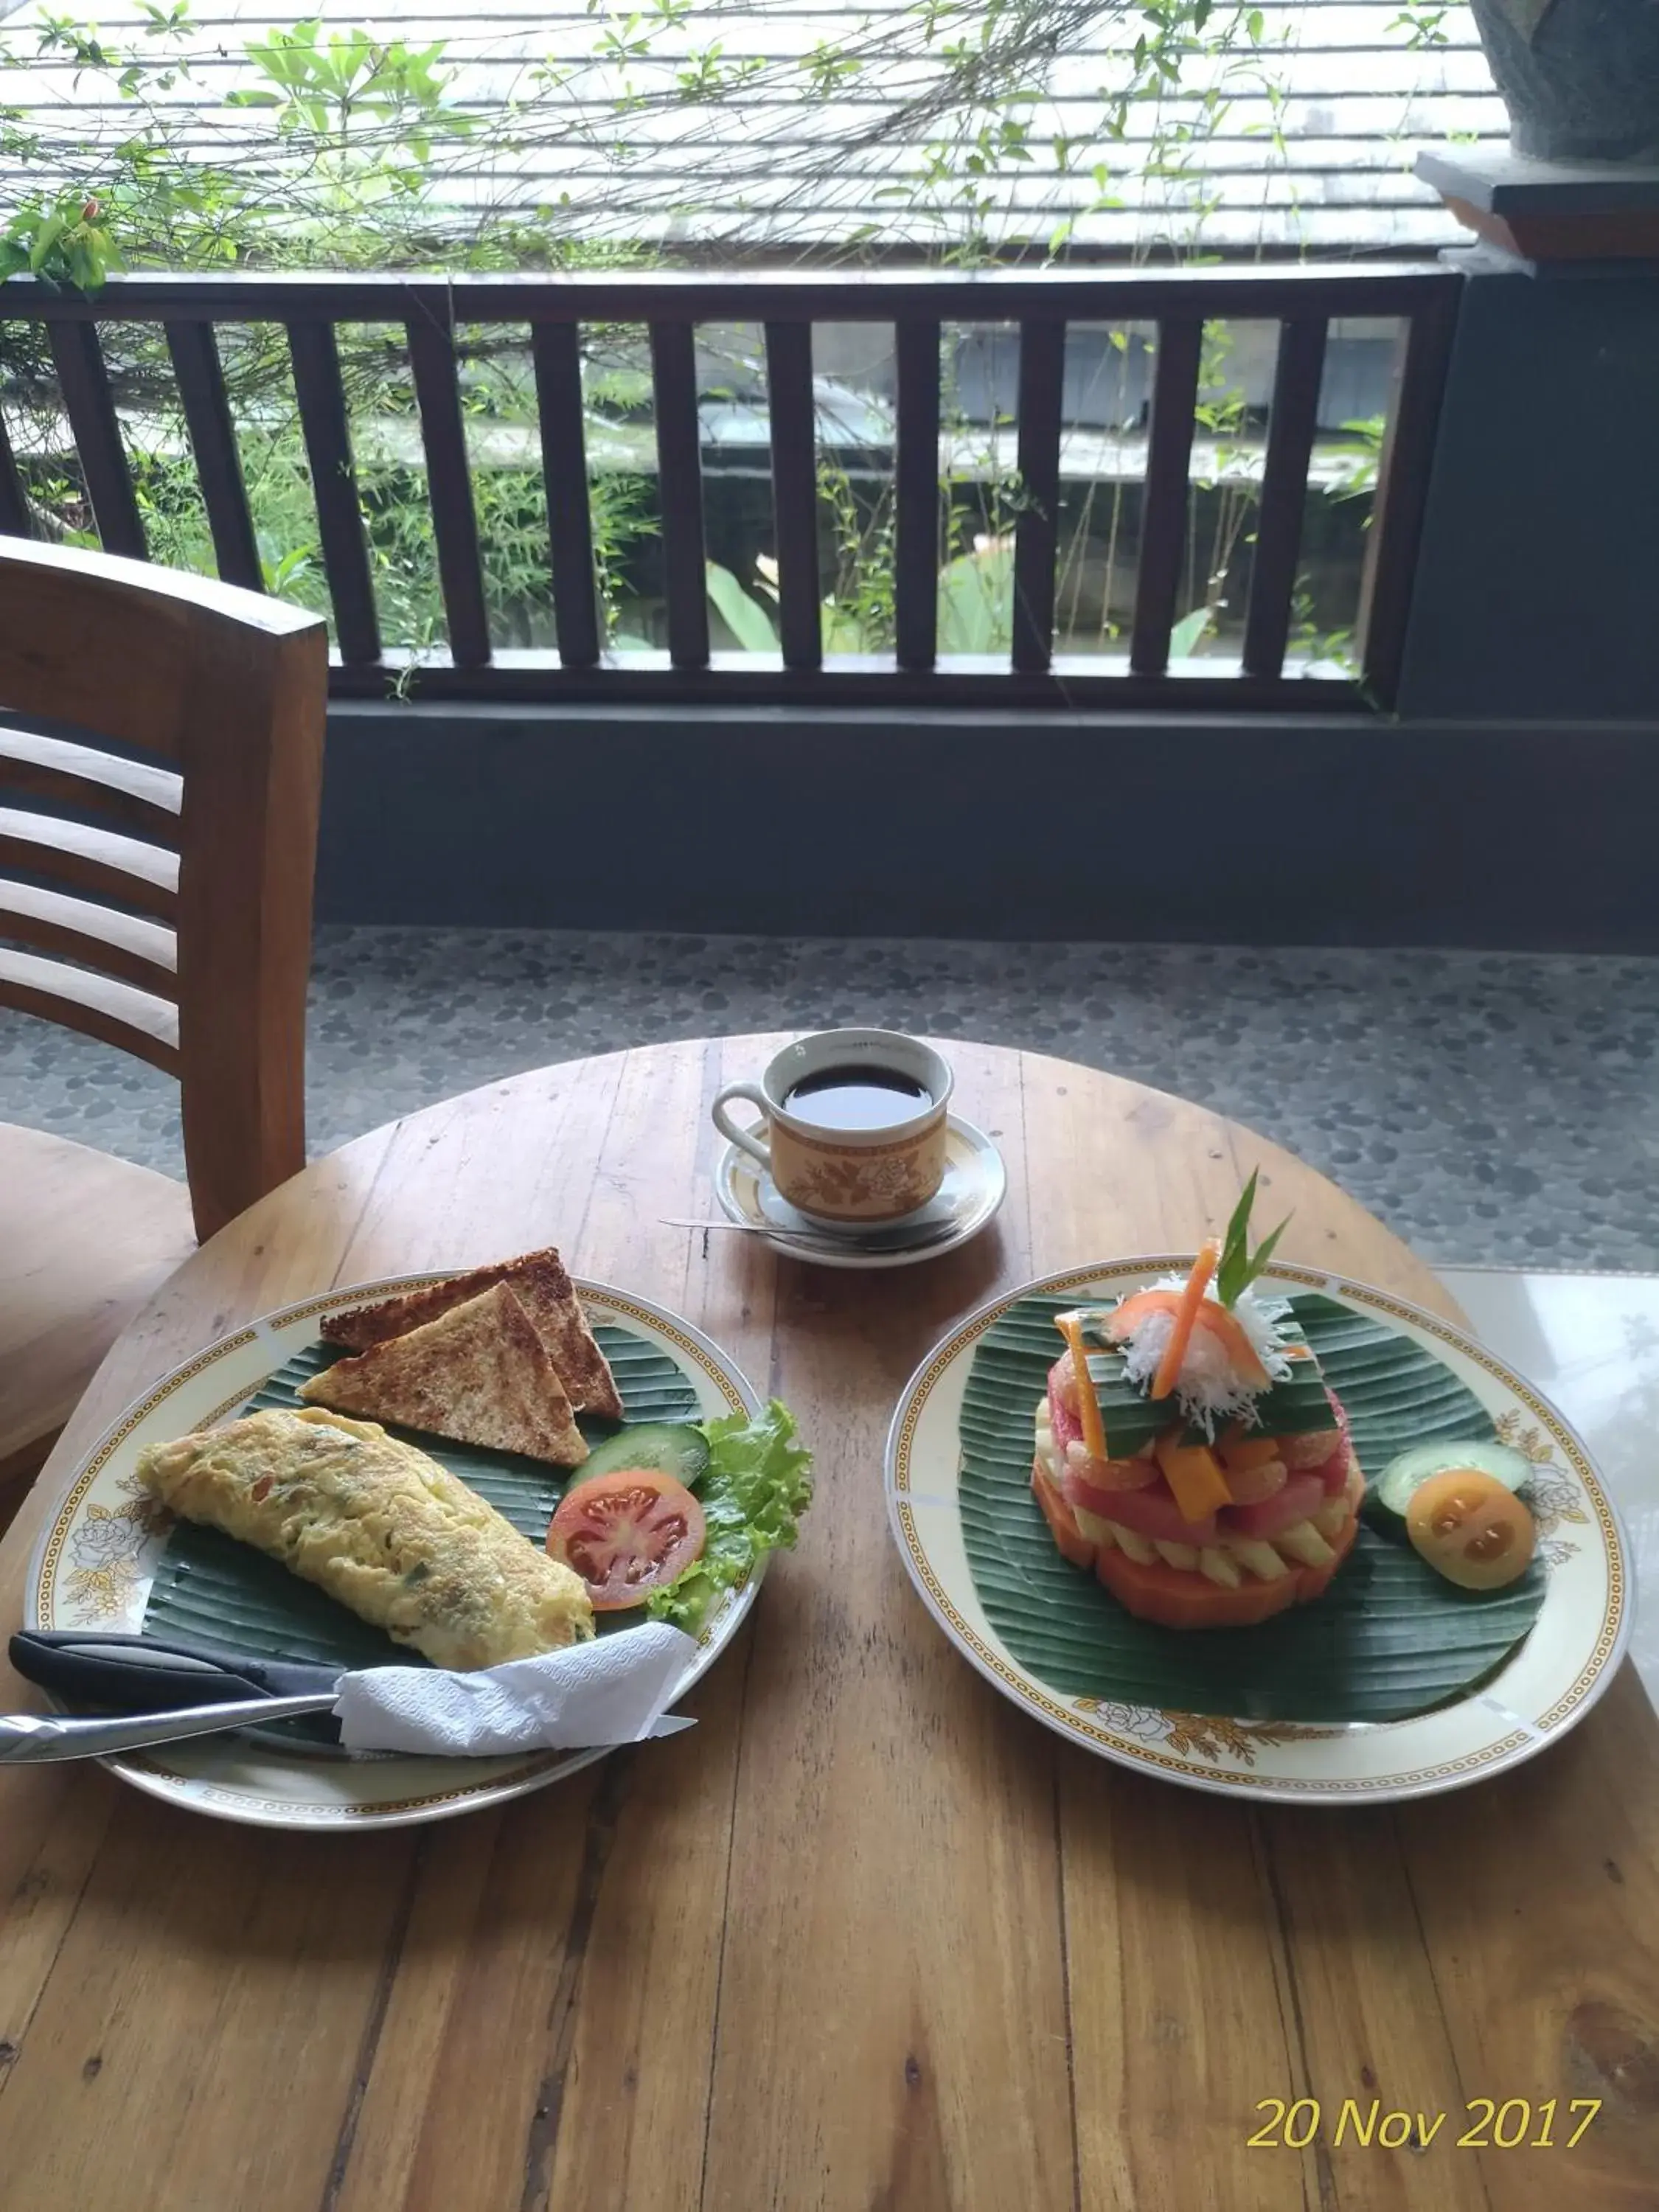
(746, 1141)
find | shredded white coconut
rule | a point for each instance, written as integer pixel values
(1208, 1389)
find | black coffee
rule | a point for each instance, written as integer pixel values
(857, 1097)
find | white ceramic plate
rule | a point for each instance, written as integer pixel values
(1547, 1685)
(95, 1561)
(975, 1185)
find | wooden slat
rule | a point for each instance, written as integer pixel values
(84, 382)
(93, 1005)
(736, 679)
(794, 491)
(1041, 378)
(213, 442)
(915, 497)
(123, 868)
(1290, 427)
(449, 488)
(556, 349)
(1402, 491)
(321, 398)
(674, 374)
(1163, 527)
(129, 791)
(880, 295)
(140, 952)
(14, 519)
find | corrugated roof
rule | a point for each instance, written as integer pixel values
(1312, 147)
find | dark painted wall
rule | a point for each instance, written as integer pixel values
(1322, 831)
(1537, 588)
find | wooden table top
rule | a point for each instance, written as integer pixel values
(868, 1936)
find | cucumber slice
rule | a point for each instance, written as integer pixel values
(671, 1447)
(1404, 1476)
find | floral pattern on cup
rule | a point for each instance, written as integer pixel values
(873, 1183)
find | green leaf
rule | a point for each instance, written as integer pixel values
(747, 620)
(1186, 633)
(753, 1491)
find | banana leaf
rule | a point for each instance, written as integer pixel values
(1389, 1638)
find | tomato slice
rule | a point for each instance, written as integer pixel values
(1471, 1528)
(627, 1533)
(1151, 1512)
(1300, 1495)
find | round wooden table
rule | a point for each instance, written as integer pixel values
(866, 1937)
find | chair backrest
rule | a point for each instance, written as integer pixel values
(179, 927)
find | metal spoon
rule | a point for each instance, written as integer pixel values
(825, 1240)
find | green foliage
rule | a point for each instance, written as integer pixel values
(368, 158)
(1239, 1266)
(65, 241)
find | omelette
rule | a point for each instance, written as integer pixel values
(381, 1528)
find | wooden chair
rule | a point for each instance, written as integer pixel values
(162, 895)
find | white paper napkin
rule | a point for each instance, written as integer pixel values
(610, 1691)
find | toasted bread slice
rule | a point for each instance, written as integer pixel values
(479, 1373)
(541, 1285)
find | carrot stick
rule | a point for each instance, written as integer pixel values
(1168, 1368)
(1088, 1402)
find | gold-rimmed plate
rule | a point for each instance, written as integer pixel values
(1543, 1687)
(96, 1561)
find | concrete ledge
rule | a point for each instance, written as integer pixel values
(1323, 830)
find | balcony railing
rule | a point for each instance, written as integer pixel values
(555, 310)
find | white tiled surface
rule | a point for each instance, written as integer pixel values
(1591, 1345)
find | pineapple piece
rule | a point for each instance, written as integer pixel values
(1330, 1517)
(1213, 1562)
(1133, 1545)
(1102, 1534)
(1257, 1558)
(1303, 1543)
(1178, 1555)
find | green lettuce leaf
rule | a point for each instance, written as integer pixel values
(753, 1493)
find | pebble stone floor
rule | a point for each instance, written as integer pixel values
(1494, 1110)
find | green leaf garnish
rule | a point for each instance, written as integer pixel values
(1238, 1267)
(753, 1493)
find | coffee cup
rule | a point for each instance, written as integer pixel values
(854, 1124)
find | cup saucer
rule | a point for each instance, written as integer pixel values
(974, 1184)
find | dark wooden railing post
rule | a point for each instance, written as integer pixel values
(1291, 427)
(84, 381)
(679, 478)
(321, 396)
(916, 495)
(556, 350)
(213, 442)
(1163, 517)
(793, 421)
(1036, 533)
(1402, 490)
(431, 330)
(14, 520)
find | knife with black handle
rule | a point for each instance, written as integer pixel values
(163, 1691)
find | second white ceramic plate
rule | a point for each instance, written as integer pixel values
(1547, 1684)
